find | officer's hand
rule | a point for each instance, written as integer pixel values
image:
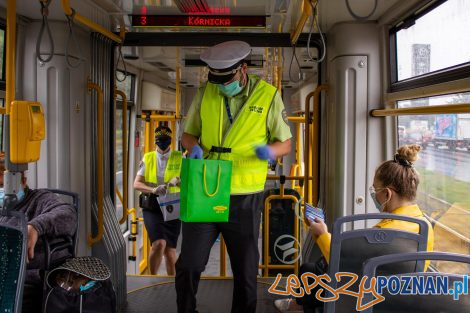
(175, 181)
(265, 153)
(196, 152)
(160, 190)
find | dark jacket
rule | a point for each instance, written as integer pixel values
(51, 217)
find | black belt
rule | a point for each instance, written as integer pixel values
(220, 149)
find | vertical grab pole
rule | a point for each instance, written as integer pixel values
(99, 168)
(125, 211)
(316, 141)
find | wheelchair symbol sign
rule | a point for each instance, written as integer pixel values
(288, 246)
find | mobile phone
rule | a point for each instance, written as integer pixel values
(312, 212)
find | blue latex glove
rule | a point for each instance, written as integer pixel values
(265, 153)
(196, 152)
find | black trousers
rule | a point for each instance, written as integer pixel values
(241, 236)
(310, 302)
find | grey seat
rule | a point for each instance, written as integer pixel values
(12, 263)
(423, 303)
(350, 249)
(69, 243)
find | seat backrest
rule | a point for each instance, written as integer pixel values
(73, 199)
(422, 303)
(350, 249)
(12, 263)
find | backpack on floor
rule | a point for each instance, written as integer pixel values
(80, 285)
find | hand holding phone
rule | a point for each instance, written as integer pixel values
(312, 212)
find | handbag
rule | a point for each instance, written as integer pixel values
(205, 190)
(148, 201)
(170, 206)
(80, 285)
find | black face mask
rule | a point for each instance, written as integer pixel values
(163, 142)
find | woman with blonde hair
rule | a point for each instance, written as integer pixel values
(393, 191)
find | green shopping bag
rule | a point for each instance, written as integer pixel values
(205, 190)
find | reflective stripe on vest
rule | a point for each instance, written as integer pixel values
(248, 130)
(173, 168)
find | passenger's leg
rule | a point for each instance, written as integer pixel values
(170, 259)
(156, 255)
(241, 235)
(198, 239)
(310, 302)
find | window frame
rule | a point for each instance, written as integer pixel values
(448, 74)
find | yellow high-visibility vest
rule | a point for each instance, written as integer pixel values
(248, 130)
(173, 168)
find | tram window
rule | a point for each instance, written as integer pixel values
(436, 38)
(127, 86)
(444, 169)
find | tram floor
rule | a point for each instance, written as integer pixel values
(158, 295)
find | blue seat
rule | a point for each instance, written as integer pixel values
(350, 249)
(12, 263)
(425, 303)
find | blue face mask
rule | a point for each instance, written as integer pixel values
(20, 194)
(231, 89)
(373, 195)
(2, 196)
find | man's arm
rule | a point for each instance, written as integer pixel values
(189, 141)
(55, 218)
(281, 148)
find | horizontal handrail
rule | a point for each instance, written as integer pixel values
(96, 27)
(160, 117)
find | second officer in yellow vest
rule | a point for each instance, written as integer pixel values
(158, 174)
(237, 117)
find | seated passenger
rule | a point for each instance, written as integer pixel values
(46, 214)
(393, 191)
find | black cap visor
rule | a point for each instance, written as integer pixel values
(220, 79)
(223, 76)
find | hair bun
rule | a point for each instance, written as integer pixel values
(408, 153)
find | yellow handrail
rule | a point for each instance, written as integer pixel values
(134, 230)
(306, 11)
(99, 166)
(424, 110)
(307, 149)
(124, 155)
(266, 266)
(10, 61)
(296, 119)
(160, 117)
(96, 27)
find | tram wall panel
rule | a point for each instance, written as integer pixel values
(62, 92)
(354, 145)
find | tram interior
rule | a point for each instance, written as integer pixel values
(108, 72)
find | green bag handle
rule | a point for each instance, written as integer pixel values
(205, 183)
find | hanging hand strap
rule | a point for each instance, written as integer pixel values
(45, 25)
(72, 38)
(205, 183)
